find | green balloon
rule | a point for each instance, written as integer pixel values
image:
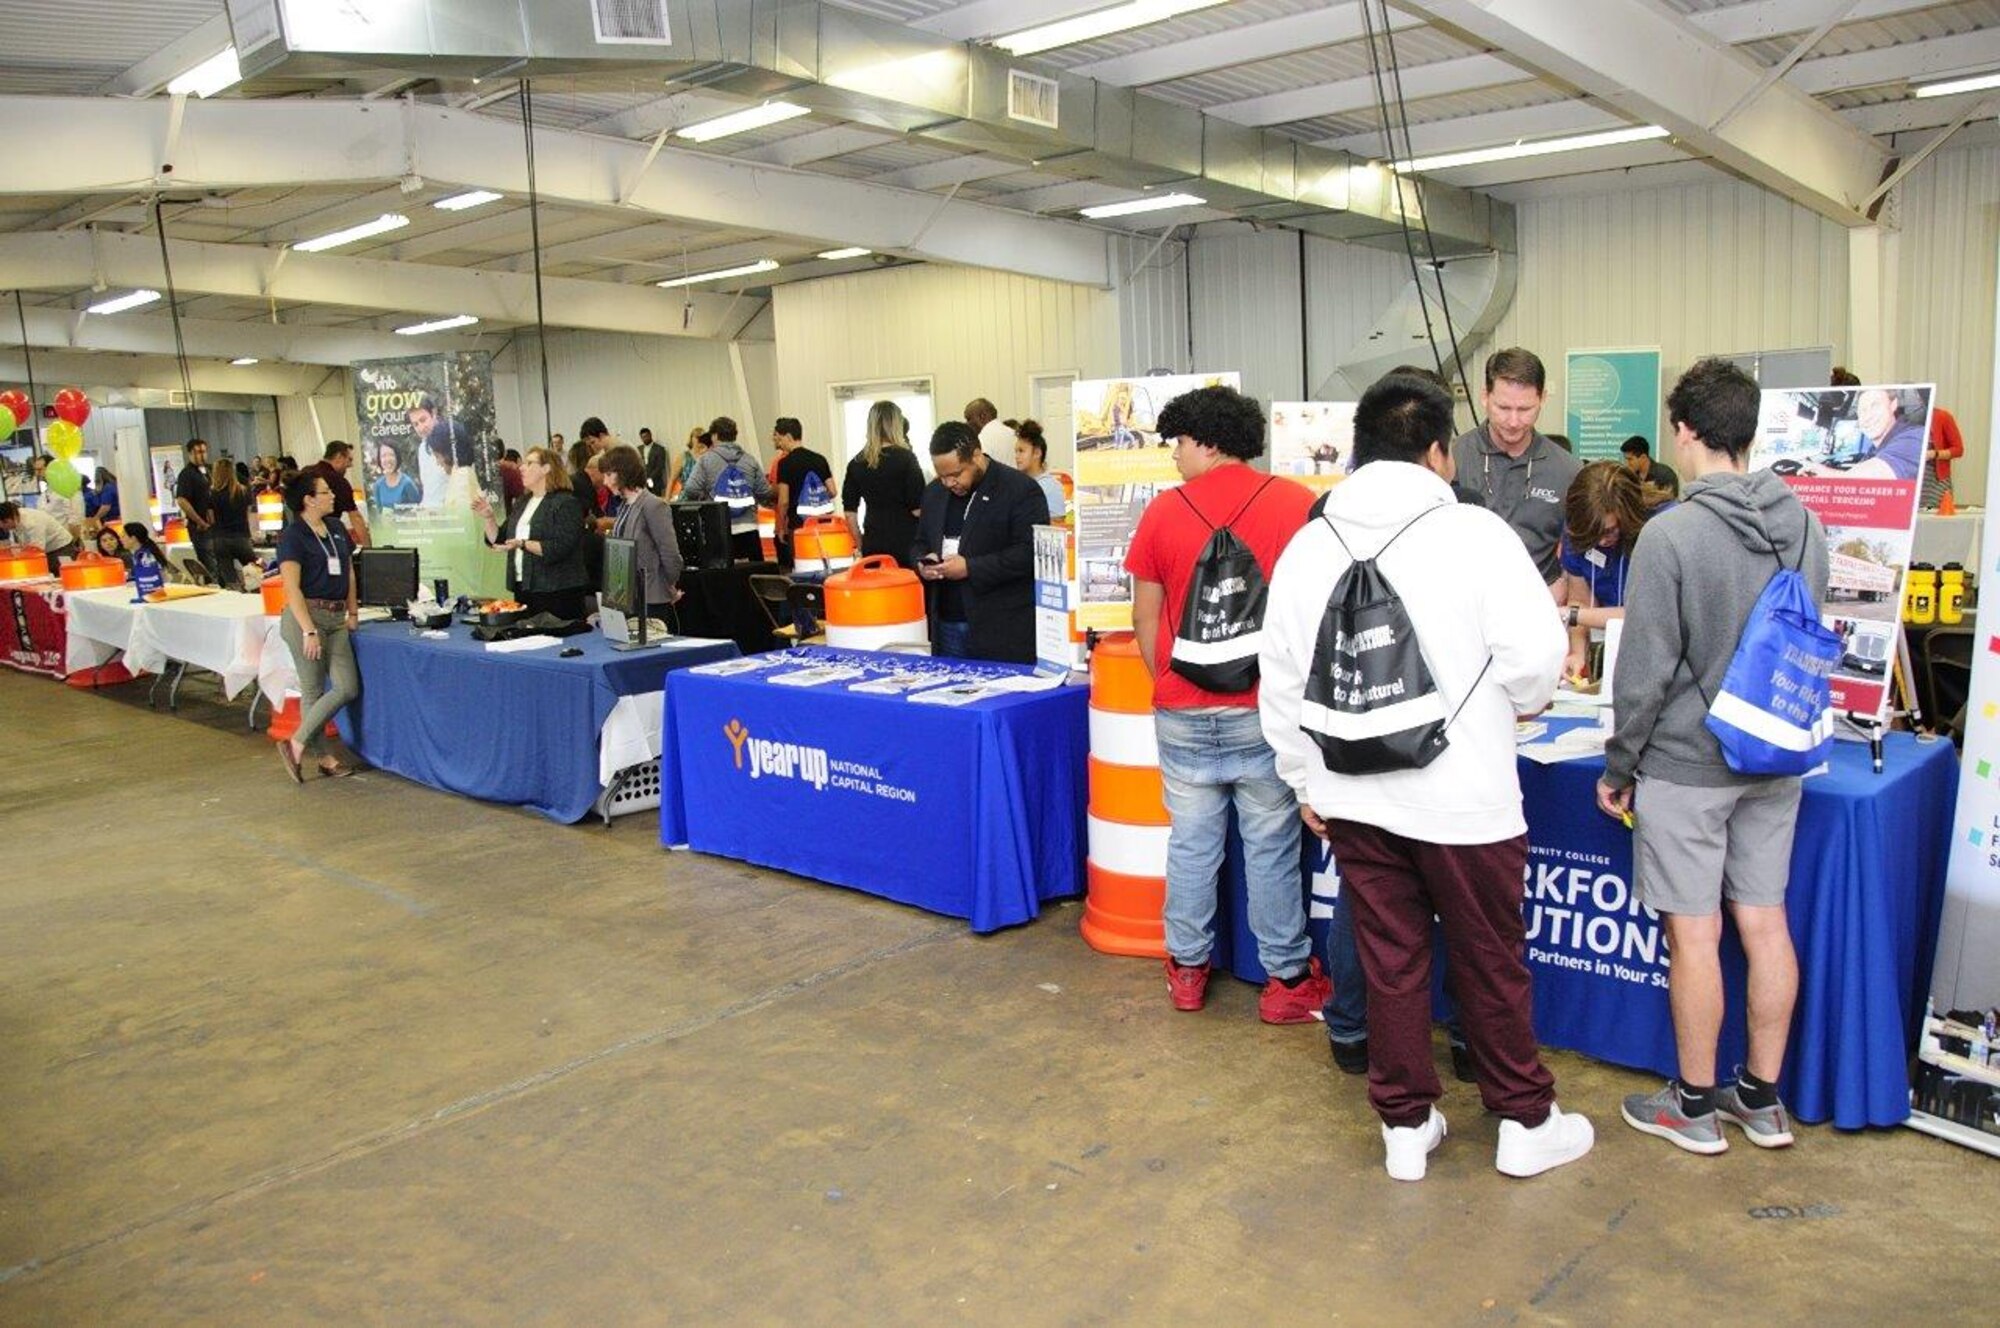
(9, 424)
(62, 478)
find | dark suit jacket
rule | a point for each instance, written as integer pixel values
(559, 527)
(655, 459)
(998, 545)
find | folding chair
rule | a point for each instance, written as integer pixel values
(774, 598)
(807, 601)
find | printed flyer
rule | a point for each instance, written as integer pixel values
(1122, 464)
(1855, 457)
(1312, 441)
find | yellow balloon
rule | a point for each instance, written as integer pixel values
(64, 439)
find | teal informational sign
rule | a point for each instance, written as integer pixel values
(1609, 395)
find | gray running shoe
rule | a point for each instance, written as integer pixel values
(1660, 1114)
(1766, 1127)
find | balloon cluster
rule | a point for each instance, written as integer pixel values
(64, 437)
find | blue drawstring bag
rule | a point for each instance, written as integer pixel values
(734, 490)
(1774, 713)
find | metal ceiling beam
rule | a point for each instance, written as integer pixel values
(803, 149)
(1765, 19)
(1660, 69)
(1442, 78)
(153, 334)
(996, 18)
(1972, 52)
(170, 61)
(675, 110)
(944, 174)
(1900, 117)
(96, 145)
(1550, 120)
(92, 370)
(1252, 42)
(71, 260)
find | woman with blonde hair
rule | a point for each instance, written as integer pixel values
(1603, 513)
(230, 501)
(887, 478)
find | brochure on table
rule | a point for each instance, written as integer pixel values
(1311, 441)
(1846, 452)
(1122, 464)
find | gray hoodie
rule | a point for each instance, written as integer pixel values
(718, 458)
(1697, 571)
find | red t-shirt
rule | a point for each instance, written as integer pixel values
(1170, 538)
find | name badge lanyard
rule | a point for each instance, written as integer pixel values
(957, 541)
(1486, 458)
(329, 546)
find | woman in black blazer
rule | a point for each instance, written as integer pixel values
(543, 539)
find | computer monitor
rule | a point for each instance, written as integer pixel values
(385, 578)
(702, 531)
(622, 597)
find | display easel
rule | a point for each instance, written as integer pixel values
(1903, 682)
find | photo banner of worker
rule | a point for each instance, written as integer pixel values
(1122, 463)
(1855, 458)
(1610, 396)
(1058, 642)
(163, 469)
(1311, 441)
(427, 445)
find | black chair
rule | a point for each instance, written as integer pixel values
(1947, 654)
(774, 597)
(807, 601)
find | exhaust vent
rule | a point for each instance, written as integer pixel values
(637, 22)
(1032, 98)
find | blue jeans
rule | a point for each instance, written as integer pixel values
(954, 639)
(1208, 761)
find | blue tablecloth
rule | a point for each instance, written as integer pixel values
(517, 728)
(976, 812)
(1866, 891)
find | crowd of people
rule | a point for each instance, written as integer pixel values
(1486, 558)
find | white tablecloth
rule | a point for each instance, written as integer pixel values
(223, 633)
(631, 733)
(1948, 539)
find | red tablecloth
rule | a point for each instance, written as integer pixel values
(34, 630)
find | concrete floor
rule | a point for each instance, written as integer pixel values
(362, 1053)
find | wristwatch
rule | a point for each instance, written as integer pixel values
(1573, 610)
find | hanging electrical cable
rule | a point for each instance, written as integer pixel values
(1423, 216)
(1389, 142)
(535, 241)
(28, 354)
(174, 311)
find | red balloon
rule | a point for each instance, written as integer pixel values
(72, 405)
(16, 401)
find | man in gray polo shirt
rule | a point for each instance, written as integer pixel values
(1516, 472)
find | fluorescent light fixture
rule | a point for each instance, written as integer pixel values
(388, 221)
(471, 199)
(241, 361)
(209, 77)
(123, 302)
(742, 122)
(1542, 148)
(747, 269)
(1977, 83)
(834, 255)
(1089, 27)
(1156, 203)
(441, 325)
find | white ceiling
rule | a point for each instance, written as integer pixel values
(1299, 68)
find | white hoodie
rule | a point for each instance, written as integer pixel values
(1471, 591)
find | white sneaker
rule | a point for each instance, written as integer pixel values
(1409, 1147)
(1559, 1139)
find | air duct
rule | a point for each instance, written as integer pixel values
(882, 74)
(1414, 330)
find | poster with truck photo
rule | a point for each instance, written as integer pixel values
(1122, 464)
(1855, 458)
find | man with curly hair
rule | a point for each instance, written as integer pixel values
(1212, 750)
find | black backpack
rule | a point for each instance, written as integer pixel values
(1370, 703)
(1222, 619)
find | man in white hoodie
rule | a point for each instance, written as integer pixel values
(1449, 838)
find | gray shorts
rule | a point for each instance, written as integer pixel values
(1693, 847)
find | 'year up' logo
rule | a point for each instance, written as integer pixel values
(779, 760)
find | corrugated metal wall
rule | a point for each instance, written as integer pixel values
(1248, 309)
(1692, 269)
(976, 332)
(1950, 210)
(668, 384)
(1152, 304)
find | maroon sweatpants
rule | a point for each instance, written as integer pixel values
(1396, 885)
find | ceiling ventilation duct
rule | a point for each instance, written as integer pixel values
(1477, 290)
(881, 74)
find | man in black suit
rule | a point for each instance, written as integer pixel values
(654, 458)
(976, 549)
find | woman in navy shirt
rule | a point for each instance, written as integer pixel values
(1604, 512)
(316, 561)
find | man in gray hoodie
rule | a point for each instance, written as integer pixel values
(725, 453)
(1703, 833)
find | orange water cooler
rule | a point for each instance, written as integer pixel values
(875, 605)
(23, 562)
(824, 544)
(92, 571)
(1128, 813)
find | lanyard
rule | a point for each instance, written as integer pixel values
(330, 546)
(1486, 456)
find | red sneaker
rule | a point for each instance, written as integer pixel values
(1187, 985)
(1280, 1004)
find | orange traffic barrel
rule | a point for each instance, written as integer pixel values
(875, 604)
(270, 512)
(1127, 870)
(24, 562)
(274, 596)
(176, 531)
(824, 544)
(92, 571)
(767, 533)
